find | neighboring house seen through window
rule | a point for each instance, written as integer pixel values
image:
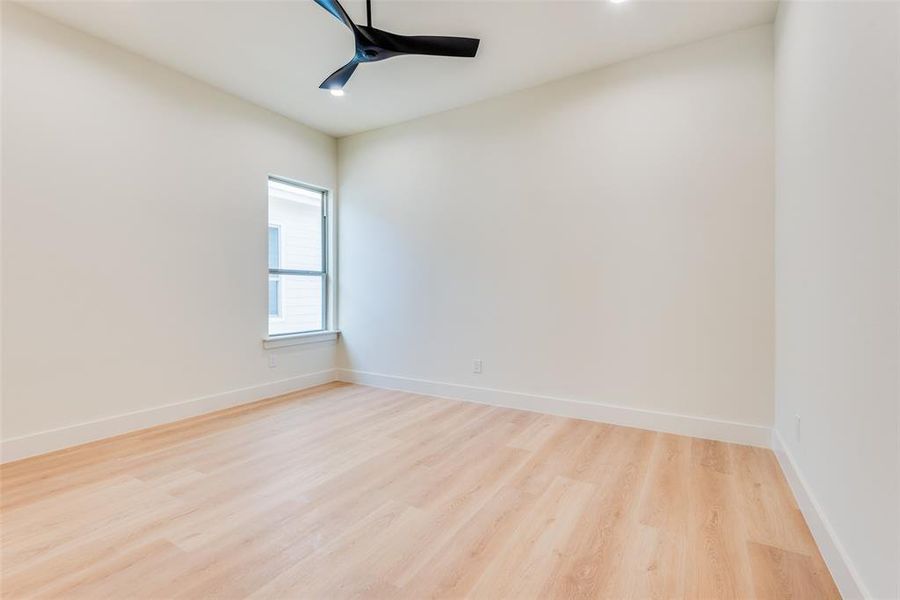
(297, 258)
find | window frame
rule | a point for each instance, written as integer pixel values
(326, 253)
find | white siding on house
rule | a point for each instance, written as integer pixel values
(297, 213)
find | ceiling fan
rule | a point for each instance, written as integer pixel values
(374, 44)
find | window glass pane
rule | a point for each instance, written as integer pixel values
(297, 212)
(301, 305)
(274, 298)
(274, 248)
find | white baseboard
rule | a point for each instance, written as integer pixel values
(701, 427)
(842, 570)
(845, 575)
(63, 437)
(73, 435)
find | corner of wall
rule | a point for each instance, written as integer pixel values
(833, 552)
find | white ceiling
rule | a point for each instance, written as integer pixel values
(275, 53)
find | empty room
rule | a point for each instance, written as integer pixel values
(411, 299)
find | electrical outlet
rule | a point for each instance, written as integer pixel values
(797, 427)
(476, 366)
(273, 361)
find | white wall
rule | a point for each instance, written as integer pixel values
(605, 238)
(837, 270)
(134, 231)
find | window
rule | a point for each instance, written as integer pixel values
(297, 258)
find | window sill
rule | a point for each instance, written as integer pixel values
(294, 339)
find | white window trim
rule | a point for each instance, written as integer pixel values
(294, 339)
(329, 280)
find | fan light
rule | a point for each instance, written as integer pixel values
(372, 44)
(337, 92)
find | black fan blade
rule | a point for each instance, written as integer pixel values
(338, 79)
(433, 45)
(335, 8)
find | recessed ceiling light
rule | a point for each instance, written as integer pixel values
(337, 92)
(617, 1)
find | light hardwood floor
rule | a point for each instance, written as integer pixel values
(349, 491)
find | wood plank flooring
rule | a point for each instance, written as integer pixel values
(348, 491)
